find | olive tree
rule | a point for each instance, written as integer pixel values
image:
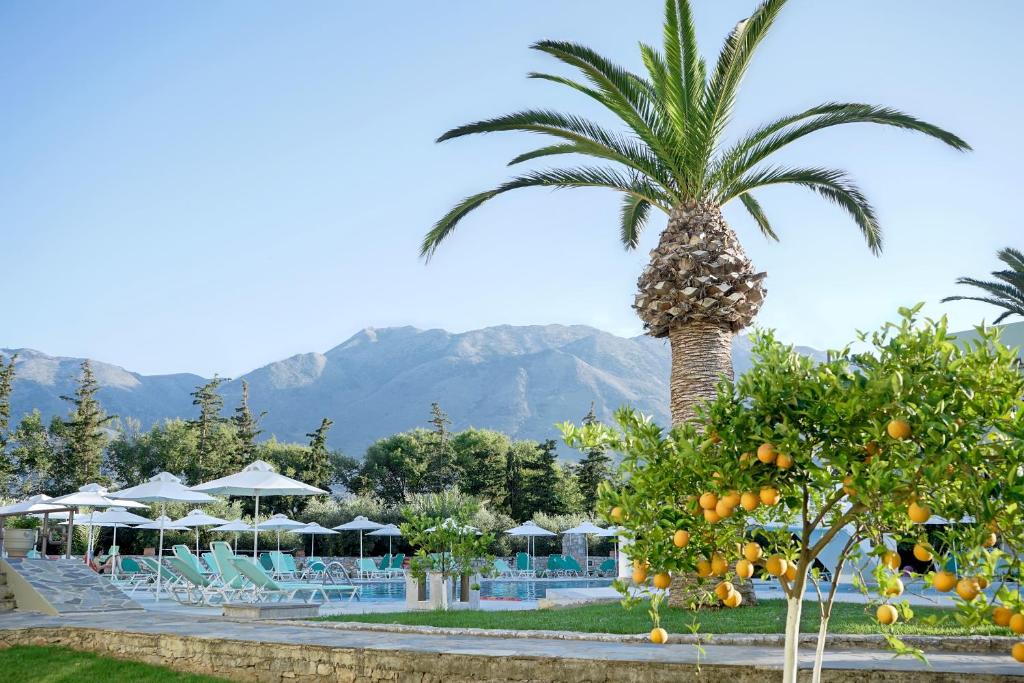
(870, 442)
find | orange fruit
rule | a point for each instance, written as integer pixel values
(775, 565)
(719, 565)
(732, 498)
(681, 538)
(708, 501)
(752, 551)
(790, 571)
(872, 449)
(1017, 623)
(734, 599)
(766, 453)
(703, 568)
(616, 514)
(967, 588)
(886, 614)
(848, 487)
(639, 575)
(745, 457)
(922, 553)
(783, 461)
(1018, 652)
(723, 589)
(894, 588)
(723, 509)
(891, 560)
(982, 582)
(750, 501)
(919, 514)
(712, 517)
(744, 569)
(944, 581)
(1001, 616)
(990, 541)
(659, 636)
(898, 429)
(770, 495)
(662, 580)
(715, 438)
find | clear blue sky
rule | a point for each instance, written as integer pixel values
(207, 187)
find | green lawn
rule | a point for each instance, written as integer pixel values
(61, 665)
(769, 616)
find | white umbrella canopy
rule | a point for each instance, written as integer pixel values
(197, 518)
(584, 529)
(235, 526)
(530, 530)
(360, 524)
(255, 480)
(389, 530)
(280, 522)
(312, 529)
(161, 523)
(37, 506)
(93, 496)
(162, 488)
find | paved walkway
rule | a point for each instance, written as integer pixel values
(768, 658)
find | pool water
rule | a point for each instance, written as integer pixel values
(489, 589)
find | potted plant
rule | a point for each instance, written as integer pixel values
(20, 536)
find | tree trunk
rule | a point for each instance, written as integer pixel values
(701, 357)
(819, 652)
(789, 665)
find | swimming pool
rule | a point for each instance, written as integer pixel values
(496, 589)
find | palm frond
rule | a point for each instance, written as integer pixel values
(1006, 292)
(1013, 258)
(833, 185)
(634, 217)
(637, 186)
(548, 151)
(757, 213)
(755, 148)
(1008, 309)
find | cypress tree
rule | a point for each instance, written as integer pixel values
(544, 478)
(210, 404)
(318, 463)
(594, 468)
(442, 471)
(246, 430)
(84, 439)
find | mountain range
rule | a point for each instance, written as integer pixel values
(521, 380)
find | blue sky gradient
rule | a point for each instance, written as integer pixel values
(208, 187)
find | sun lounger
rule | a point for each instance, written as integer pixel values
(265, 586)
(503, 569)
(196, 588)
(229, 575)
(368, 569)
(570, 567)
(130, 575)
(183, 553)
(607, 567)
(396, 568)
(524, 565)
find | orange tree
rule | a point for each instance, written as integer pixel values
(867, 443)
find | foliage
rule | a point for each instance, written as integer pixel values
(448, 543)
(676, 115)
(78, 461)
(857, 441)
(246, 430)
(594, 468)
(1006, 292)
(6, 386)
(211, 454)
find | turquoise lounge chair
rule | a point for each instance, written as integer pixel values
(229, 575)
(502, 568)
(396, 568)
(183, 553)
(196, 588)
(265, 586)
(607, 567)
(266, 562)
(385, 563)
(524, 565)
(130, 575)
(555, 566)
(570, 567)
(368, 569)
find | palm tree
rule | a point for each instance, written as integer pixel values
(700, 288)
(1007, 293)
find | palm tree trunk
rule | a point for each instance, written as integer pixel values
(701, 357)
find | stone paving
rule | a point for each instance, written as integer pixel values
(996, 666)
(70, 586)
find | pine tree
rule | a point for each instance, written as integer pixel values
(84, 439)
(6, 387)
(594, 468)
(246, 430)
(208, 461)
(442, 471)
(543, 480)
(515, 501)
(318, 465)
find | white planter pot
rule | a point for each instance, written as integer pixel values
(412, 597)
(17, 542)
(441, 591)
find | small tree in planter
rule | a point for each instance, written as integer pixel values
(795, 452)
(449, 547)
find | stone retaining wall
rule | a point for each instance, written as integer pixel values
(274, 663)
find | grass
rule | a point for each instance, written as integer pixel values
(61, 665)
(769, 616)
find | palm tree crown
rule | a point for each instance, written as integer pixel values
(675, 114)
(1007, 292)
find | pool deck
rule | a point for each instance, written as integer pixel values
(210, 626)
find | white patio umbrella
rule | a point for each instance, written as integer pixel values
(389, 530)
(530, 530)
(311, 530)
(163, 488)
(258, 479)
(585, 529)
(235, 526)
(37, 506)
(197, 518)
(279, 523)
(91, 496)
(360, 524)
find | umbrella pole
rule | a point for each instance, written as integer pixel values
(160, 553)
(256, 527)
(360, 553)
(71, 532)
(113, 564)
(197, 540)
(46, 531)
